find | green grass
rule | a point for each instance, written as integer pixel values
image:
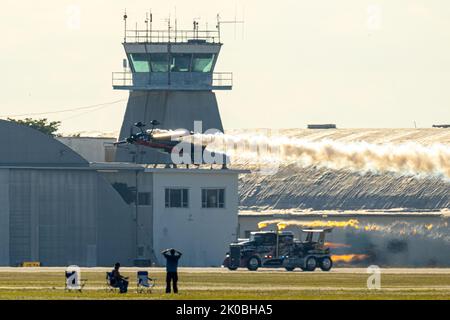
(223, 284)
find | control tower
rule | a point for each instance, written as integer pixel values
(170, 76)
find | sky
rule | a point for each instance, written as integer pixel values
(356, 63)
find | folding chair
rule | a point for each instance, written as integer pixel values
(73, 282)
(110, 286)
(144, 282)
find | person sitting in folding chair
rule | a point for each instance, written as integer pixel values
(144, 282)
(118, 280)
(110, 283)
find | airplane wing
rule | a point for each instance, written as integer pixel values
(120, 142)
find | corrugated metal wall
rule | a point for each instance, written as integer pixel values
(20, 216)
(63, 217)
(52, 205)
(53, 216)
(67, 216)
(4, 217)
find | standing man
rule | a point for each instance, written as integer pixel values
(172, 256)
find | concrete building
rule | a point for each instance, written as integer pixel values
(193, 210)
(59, 209)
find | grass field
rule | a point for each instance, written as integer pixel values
(210, 283)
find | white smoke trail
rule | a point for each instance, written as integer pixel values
(398, 228)
(405, 158)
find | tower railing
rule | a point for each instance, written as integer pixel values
(175, 36)
(123, 78)
(128, 80)
(222, 79)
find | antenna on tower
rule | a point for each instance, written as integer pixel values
(125, 25)
(176, 27)
(137, 32)
(151, 21)
(168, 28)
(146, 26)
(235, 22)
(218, 26)
(196, 27)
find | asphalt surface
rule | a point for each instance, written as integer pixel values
(242, 270)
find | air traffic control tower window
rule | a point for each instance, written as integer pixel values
(140, 62)
(159, 62)
(202, 62)
(180, 62)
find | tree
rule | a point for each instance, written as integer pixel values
(43, 125)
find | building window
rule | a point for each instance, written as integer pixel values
(213, 198)
(177, 198)
(180, 62)
(140, 62)
(159, 62)
(202, 62)
(144, 198)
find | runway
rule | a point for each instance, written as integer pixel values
(225, 270)
(221, 283)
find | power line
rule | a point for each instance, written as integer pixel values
(83, 113)
(95, 107)
(64, 110)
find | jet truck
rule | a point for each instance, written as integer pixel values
(279, 249)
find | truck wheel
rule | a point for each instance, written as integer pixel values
(290, 268)
(311, 264)
(253, 263)
(232, 268)
(326, 264)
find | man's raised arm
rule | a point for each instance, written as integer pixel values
(164, 252)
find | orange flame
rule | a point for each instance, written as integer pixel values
(262, 224)
(336, 245)
(282, 224)
(348, 257)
